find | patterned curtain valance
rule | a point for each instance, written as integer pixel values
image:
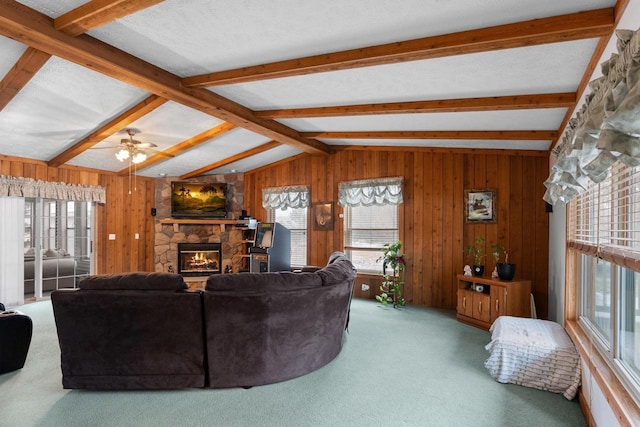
(605, 130)
(285, 197)
(370, 192)
(29, 187)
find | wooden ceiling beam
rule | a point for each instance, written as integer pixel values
(122, 121)
(522, 135)
(19, 75)
(494, 103)
(185, 145)
(575, 26)
(257, 150)
(30, 27)
(96, 13)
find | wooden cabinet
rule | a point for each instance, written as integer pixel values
(497, 298)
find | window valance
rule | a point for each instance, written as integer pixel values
(606, 129)
(285, 197)
(370, 192)
(29, 187)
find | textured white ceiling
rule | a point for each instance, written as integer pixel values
(61, 104)
(538, 69)
(191, 37)
(65, 102)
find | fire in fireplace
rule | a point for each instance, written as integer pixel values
(199, 259)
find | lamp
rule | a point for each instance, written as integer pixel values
(122, 155)
(139, 157)
(131, 152)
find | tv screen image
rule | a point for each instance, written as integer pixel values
(198, 199)
(264, 235)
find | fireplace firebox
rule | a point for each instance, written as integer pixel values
(199, 259)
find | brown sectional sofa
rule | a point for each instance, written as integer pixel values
(148, 331)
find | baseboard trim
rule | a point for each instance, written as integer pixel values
(586, 410)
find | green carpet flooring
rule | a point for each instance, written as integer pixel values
(398, 367)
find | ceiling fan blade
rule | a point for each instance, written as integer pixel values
(144, 144)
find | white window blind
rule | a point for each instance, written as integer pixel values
(604, 220)
(367, 230)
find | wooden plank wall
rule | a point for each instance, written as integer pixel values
(124, 214)
(433, 228)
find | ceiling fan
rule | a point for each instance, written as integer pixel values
(135, 150)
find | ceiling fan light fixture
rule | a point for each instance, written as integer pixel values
(122, 155)
(138, 157)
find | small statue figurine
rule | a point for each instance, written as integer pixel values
(494, 273)
(467, 270)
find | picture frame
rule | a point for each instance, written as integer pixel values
(323, 216)
(480, 206)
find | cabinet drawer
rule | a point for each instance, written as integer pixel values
(481, 307)
(465, 302)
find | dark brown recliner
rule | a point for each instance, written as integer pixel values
(15, 337)
(130, 331)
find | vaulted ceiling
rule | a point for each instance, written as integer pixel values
(234, 85)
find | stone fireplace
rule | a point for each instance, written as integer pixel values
(169, 234)
(199, 259)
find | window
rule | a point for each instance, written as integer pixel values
(294, 219)
(371, 219)
(604, 235)
(288, 206)
(366, 230)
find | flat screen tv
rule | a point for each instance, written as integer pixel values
(198, 200)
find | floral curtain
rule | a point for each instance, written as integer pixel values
(605, 130)
(29, 187)
(370, 192)
(285, 197)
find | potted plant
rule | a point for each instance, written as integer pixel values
(476, 255)
(506, 270)
(393, 284)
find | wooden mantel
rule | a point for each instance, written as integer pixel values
(204, 221)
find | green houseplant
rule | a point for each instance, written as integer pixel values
(476, 255)
(506, 270)
(393, 284)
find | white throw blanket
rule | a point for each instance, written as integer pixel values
(533, 353)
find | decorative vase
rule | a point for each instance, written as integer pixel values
(506, 271)
(478, 270)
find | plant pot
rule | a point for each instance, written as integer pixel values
(478, 270)
(506, 271)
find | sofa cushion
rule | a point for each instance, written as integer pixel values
(340, 270)
(51, 253)
(156, 281)
(249, 283)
